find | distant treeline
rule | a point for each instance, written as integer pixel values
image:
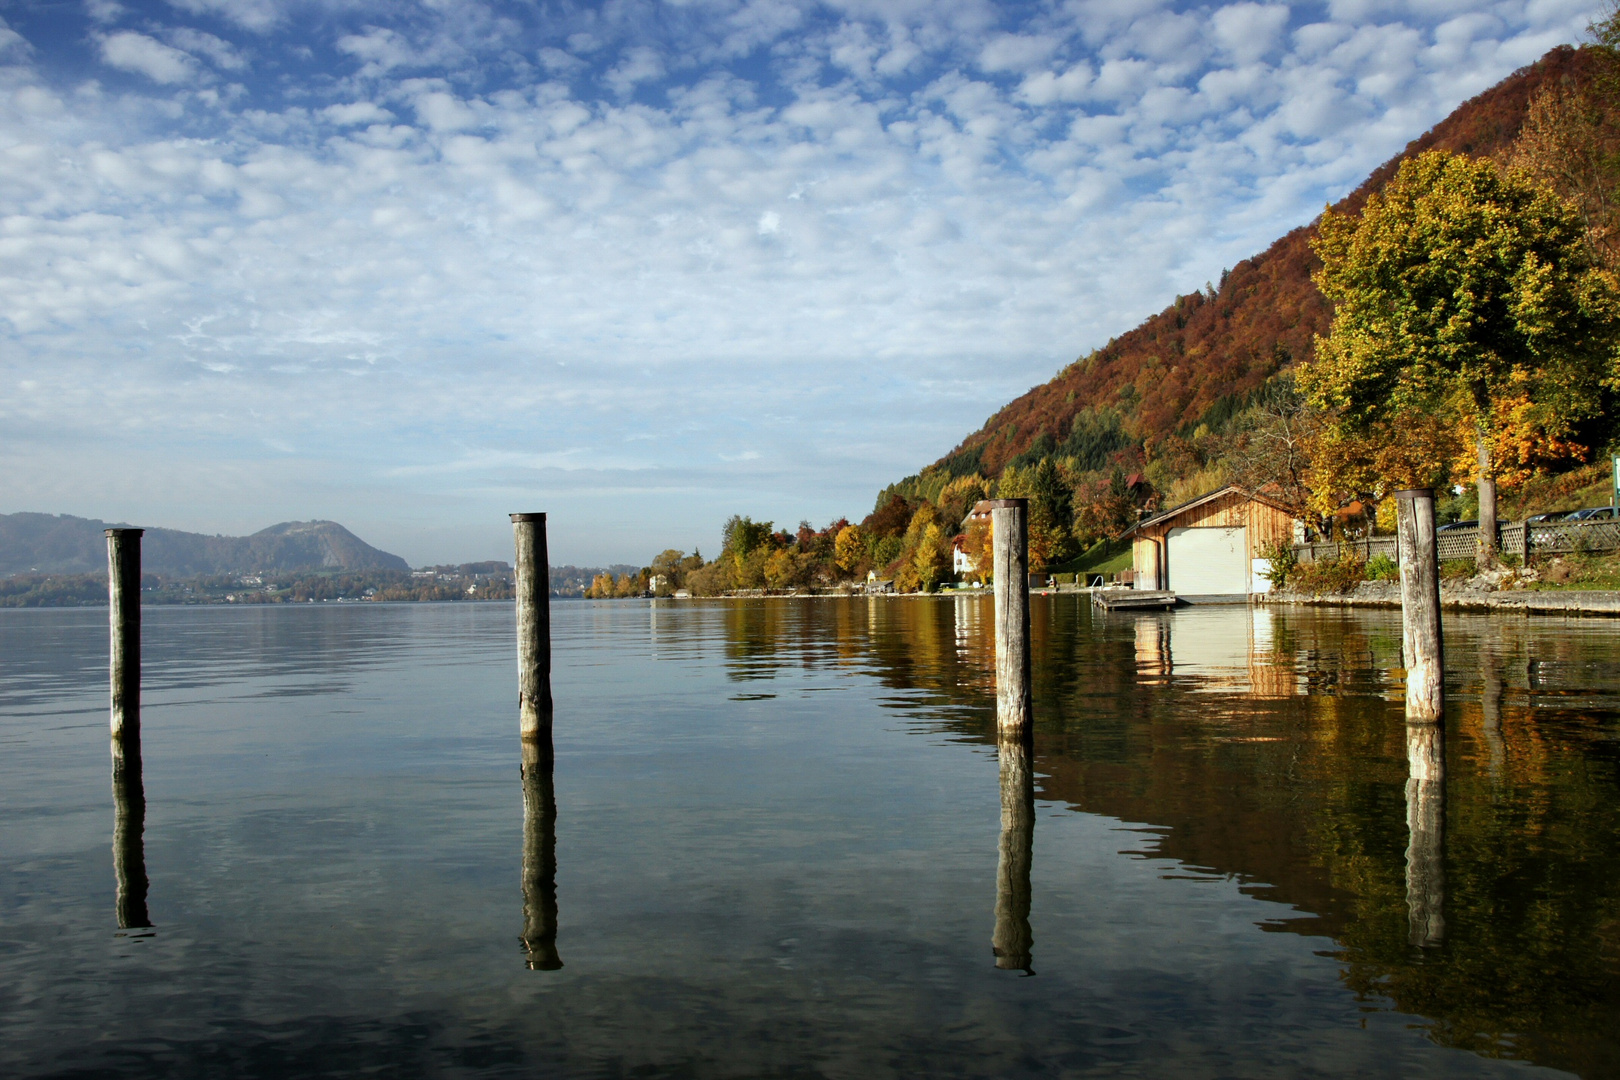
(570, 580)
(464, 581)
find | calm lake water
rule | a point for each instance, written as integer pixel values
(775, 843)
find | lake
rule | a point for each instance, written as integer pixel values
(776, 840)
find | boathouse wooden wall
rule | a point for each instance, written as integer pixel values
(1263, 523)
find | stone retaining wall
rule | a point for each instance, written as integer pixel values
(1465, 597)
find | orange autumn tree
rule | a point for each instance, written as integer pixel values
(1458, 289)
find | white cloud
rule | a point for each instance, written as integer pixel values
(381, 48)
(257, 15)
(443, 112)
(220, 52)
(1247, 32)
(357, 112)
(559, 62)
(11, 41)
(638, 65)
(1016, 52)
(130, 51)
(105, 11)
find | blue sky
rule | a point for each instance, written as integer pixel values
(640, 265)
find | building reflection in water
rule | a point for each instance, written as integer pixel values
(1013, 940)
(1153, 660)
(539, 856)
(1426, 824)
(1227, 648)
(129, 829)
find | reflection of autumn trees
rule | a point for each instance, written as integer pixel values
(1277, 755)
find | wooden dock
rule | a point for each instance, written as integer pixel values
(1132, 600)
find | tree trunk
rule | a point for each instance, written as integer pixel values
(1486, 556)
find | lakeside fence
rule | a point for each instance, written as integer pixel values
(1512, 538)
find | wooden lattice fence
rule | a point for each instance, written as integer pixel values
(1549, 538)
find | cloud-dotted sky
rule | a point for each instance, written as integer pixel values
(640, 264)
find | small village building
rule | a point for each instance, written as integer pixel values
(1210, 546)
(875, 584)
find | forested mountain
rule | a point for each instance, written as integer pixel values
(1145, 399)
(62, 544)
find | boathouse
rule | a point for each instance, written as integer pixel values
(1210, 546)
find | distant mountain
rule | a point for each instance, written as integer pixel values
(1205, 357)
(62, 544)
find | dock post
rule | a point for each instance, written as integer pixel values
(1426, 828)
(124, 659)
(1420, 606)
(1013, 940)
(539, 856)
(533, 626)
(1010, 540)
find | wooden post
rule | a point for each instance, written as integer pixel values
(124, 618)
(1010, 540)
(1485, 553)
(1013, 940)
(129, 842)
(539, 856)
(1426, 828)
(1420, 606)
(533, 626)
(1526, 542)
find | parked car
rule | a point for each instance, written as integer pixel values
(1455, 525)
(1546, 536)
(1592, 513)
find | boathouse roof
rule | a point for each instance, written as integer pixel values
(1164, 517)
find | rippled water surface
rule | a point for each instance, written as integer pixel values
(775, 843)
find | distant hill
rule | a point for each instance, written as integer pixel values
(62, 544)
(1201, 360)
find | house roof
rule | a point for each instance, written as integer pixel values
(1193, 504)
(981, 509)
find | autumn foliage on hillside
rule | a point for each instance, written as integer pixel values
(1507, 212)
(1143, 400)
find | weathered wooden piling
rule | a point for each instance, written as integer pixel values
(1420, 606)
(1426, 828)
(1010, 540)
(539, 856)
(129, 836)
(1013, 940)
(533, 579)
(124, 618)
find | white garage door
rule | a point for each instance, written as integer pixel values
(1208, 561)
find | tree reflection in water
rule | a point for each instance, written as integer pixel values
(1270, 745)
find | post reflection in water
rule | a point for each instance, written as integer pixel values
(539, 856)
(1013, 940)
(129, 827)
(1492, 687)
(1426, 823)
